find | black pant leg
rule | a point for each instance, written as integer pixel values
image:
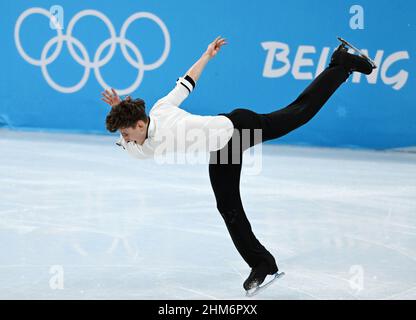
(305, 107)
(225, 177)
(279, 123)
(225, 181)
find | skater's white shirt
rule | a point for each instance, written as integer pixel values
(172, 129)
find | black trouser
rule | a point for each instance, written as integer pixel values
(225, 177)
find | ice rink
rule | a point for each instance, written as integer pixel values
(81, 219)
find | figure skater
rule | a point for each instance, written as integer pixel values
(143, 135)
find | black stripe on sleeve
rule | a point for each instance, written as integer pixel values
(186, 87)
(191, 81)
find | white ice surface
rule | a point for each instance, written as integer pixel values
(341, 223)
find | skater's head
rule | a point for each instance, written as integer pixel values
(130, 118)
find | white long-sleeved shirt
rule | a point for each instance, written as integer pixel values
(172, 129)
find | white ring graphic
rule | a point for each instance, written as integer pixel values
(150, 16)
(52, 83)
(85, 60)
(110, 27)
(25, 56)
(140, 64)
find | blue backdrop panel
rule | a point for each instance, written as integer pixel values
(52, 77)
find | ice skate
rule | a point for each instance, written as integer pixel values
(358, 62)
(257, 288)
(258, 274)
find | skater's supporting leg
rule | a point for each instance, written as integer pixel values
(225, 181)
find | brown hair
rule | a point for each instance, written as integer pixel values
(126, 114)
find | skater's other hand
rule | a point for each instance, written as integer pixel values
(215, 46)
(111, 98)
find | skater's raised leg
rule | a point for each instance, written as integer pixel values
(279, 123)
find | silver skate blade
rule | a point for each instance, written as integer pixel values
(256, 290)
(362, 54)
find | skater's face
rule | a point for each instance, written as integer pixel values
(136, 133)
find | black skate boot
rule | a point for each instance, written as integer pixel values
(259, 273)
(351, 62)
(257, 276)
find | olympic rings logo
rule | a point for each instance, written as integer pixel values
(85, 60)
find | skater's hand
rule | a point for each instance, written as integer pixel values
(112, 97)
(215, 46)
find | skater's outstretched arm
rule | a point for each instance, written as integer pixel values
(213, 48)
(186, 84)
(177, 95)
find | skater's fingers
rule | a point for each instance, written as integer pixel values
(222, 42)
(108, 95)
(114, 92)
(106, 101)
(105, 93)
(216, 39)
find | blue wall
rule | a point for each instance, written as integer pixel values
(377, 113)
